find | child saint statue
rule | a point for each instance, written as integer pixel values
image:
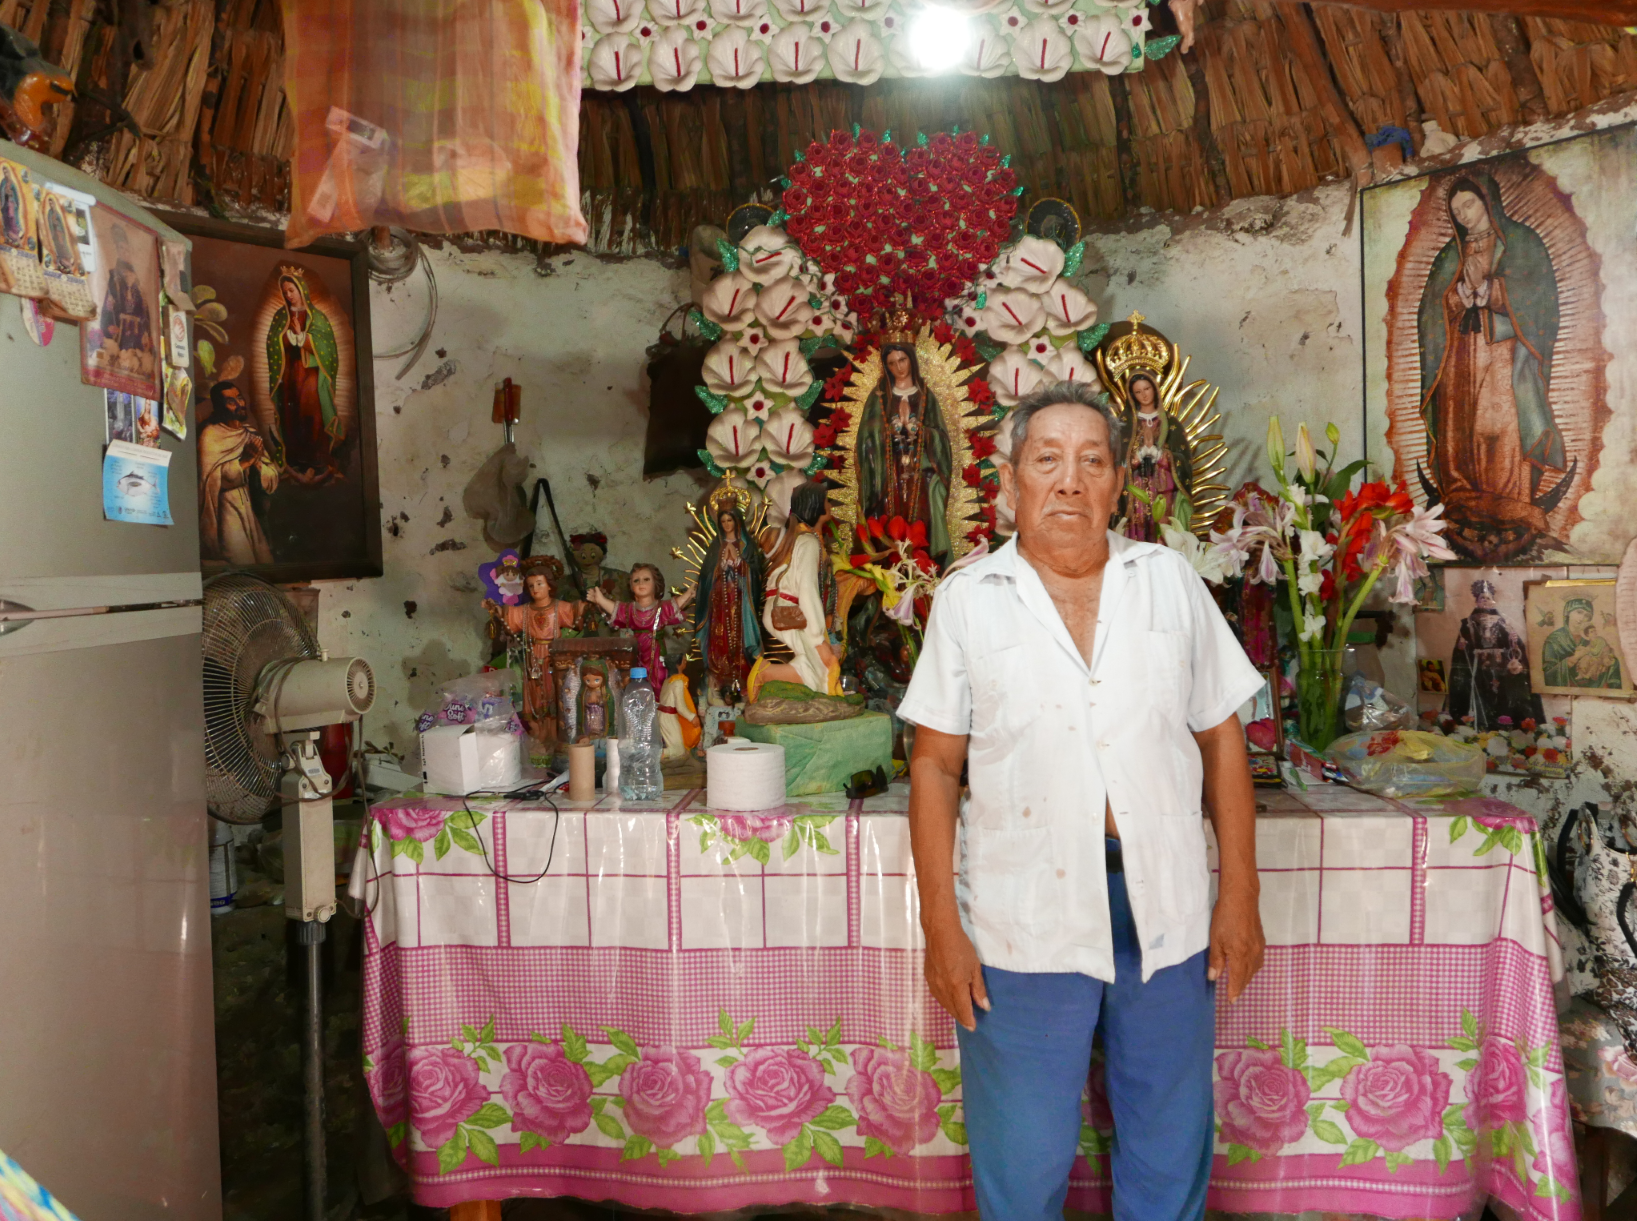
(645, 616)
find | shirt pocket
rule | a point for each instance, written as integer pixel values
(1012, 898)
(1168, 656)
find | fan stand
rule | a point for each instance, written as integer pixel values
(309, 897)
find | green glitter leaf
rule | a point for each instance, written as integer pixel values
(1071, 260)
(715, 402)
(1089, 339)
(728, 253)
(710, 465)
(1159, 48)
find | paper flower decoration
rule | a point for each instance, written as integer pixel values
(1040, 348)
(783, 310)
(1032, 265)
(613, 16)
(676, 12)
(1013, 374)
(729, 369)
(730, 299)
(674, 59)
(778, 495)
(1013, 315)
(796, 55)
(1055, 8)
(987, 53)
(901, 55)
(788, 437)
(1068, 309)
(860, 10)
(1042, 51)
(801, 10)
(855, 54)
(738, 12)
(615, 62)
(767, 254)
(783, 369)
(734, 440)
(758, 406)
(1103, 42)
(1067, 365)
(761, 471)
(735, 58)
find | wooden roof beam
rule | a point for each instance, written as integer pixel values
(1603, 12)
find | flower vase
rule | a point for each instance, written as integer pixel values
(1318, 697)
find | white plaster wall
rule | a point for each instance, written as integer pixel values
(575, 340)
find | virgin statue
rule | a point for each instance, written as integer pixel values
(903, 451)
(301, 368)
(1143, 372)
(726, 615)
(1488, 326)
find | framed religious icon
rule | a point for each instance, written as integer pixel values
(284, 397)
(1499, 328)
(119, 345)
(1574, 644)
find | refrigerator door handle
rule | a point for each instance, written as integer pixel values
(14, 616)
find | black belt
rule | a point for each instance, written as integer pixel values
(1113, 860)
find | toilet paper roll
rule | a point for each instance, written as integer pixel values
(744, 775)
(582, 772)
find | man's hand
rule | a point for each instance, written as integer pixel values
(1236, 941)
(954, 974)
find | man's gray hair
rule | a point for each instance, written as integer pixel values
(1052, 396)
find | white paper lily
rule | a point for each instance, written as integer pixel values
(729, 369)
(733, 439)
(855, 54)
(768, 254)
(615, 63)
(1042, 51)
(801, 10)
(1067, 365)
(729, 301)
(1102, 42)
(861, 10)
(783, 369)
(1068, 310)
(676, 12)
(797, 54)
(778, 495)
(674, 59)
(1032, 265)
(614, 16)
(1012, 375)
(735, 59)
(783, 309)
(738, 12)
(788, 437)
(1013, 315)
(988, 53)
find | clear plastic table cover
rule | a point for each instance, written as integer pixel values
(676, 1008)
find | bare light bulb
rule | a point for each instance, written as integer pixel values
(939, 37)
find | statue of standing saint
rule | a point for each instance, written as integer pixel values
(726, 617)
(534, 625)
(903, 451)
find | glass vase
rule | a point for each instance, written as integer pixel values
(1318, 697)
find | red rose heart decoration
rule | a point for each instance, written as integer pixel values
(889, 222)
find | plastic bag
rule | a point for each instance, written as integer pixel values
(1368, 706)
(1408, 763)
(446, 116)
(483, 696)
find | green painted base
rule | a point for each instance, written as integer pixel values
(822, 758)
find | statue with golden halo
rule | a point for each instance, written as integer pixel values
(907, 443)
(1173, 464)
(725, 558)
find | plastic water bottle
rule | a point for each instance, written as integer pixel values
(640, 745)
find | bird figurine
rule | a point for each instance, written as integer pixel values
(28, 84)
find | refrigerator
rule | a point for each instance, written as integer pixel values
(107, 1045)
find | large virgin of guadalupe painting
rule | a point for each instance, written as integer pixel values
(1496, 293)
(281, 364)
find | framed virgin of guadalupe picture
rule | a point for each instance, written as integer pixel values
(285, 404)
(1500, 330)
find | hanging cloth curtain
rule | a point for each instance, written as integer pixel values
(442, 116)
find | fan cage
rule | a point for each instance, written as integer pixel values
(248, 625)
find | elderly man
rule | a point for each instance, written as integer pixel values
(1091, 685)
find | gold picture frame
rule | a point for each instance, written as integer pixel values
(1574, 644)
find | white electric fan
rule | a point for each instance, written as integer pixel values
(268, 690)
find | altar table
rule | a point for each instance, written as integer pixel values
(672, 1007)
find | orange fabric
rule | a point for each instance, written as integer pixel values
(443, 116)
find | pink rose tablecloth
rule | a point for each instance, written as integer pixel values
(672, 1007)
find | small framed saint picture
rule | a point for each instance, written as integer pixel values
(1574, 647)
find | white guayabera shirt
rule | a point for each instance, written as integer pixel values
(1051, 739)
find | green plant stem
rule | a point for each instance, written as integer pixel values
(910, 643)
(1346, 621)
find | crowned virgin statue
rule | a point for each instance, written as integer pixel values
(726, 615)
(1142, 372)
(903, 451)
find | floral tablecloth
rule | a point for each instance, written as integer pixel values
(677, 1008)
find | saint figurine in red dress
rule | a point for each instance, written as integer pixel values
(645, 616)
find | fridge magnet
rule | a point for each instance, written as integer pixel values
(119, 348)
(1481, 641)
(176, 346)
(63, 256)
(20, 272)
(178, 394)
(1491, 364)
(287, 332)
(135, 485)
(1574, 642)
(40, 325)
(121, 422)
(147, 422)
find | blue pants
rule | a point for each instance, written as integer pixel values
(1023, 1069)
